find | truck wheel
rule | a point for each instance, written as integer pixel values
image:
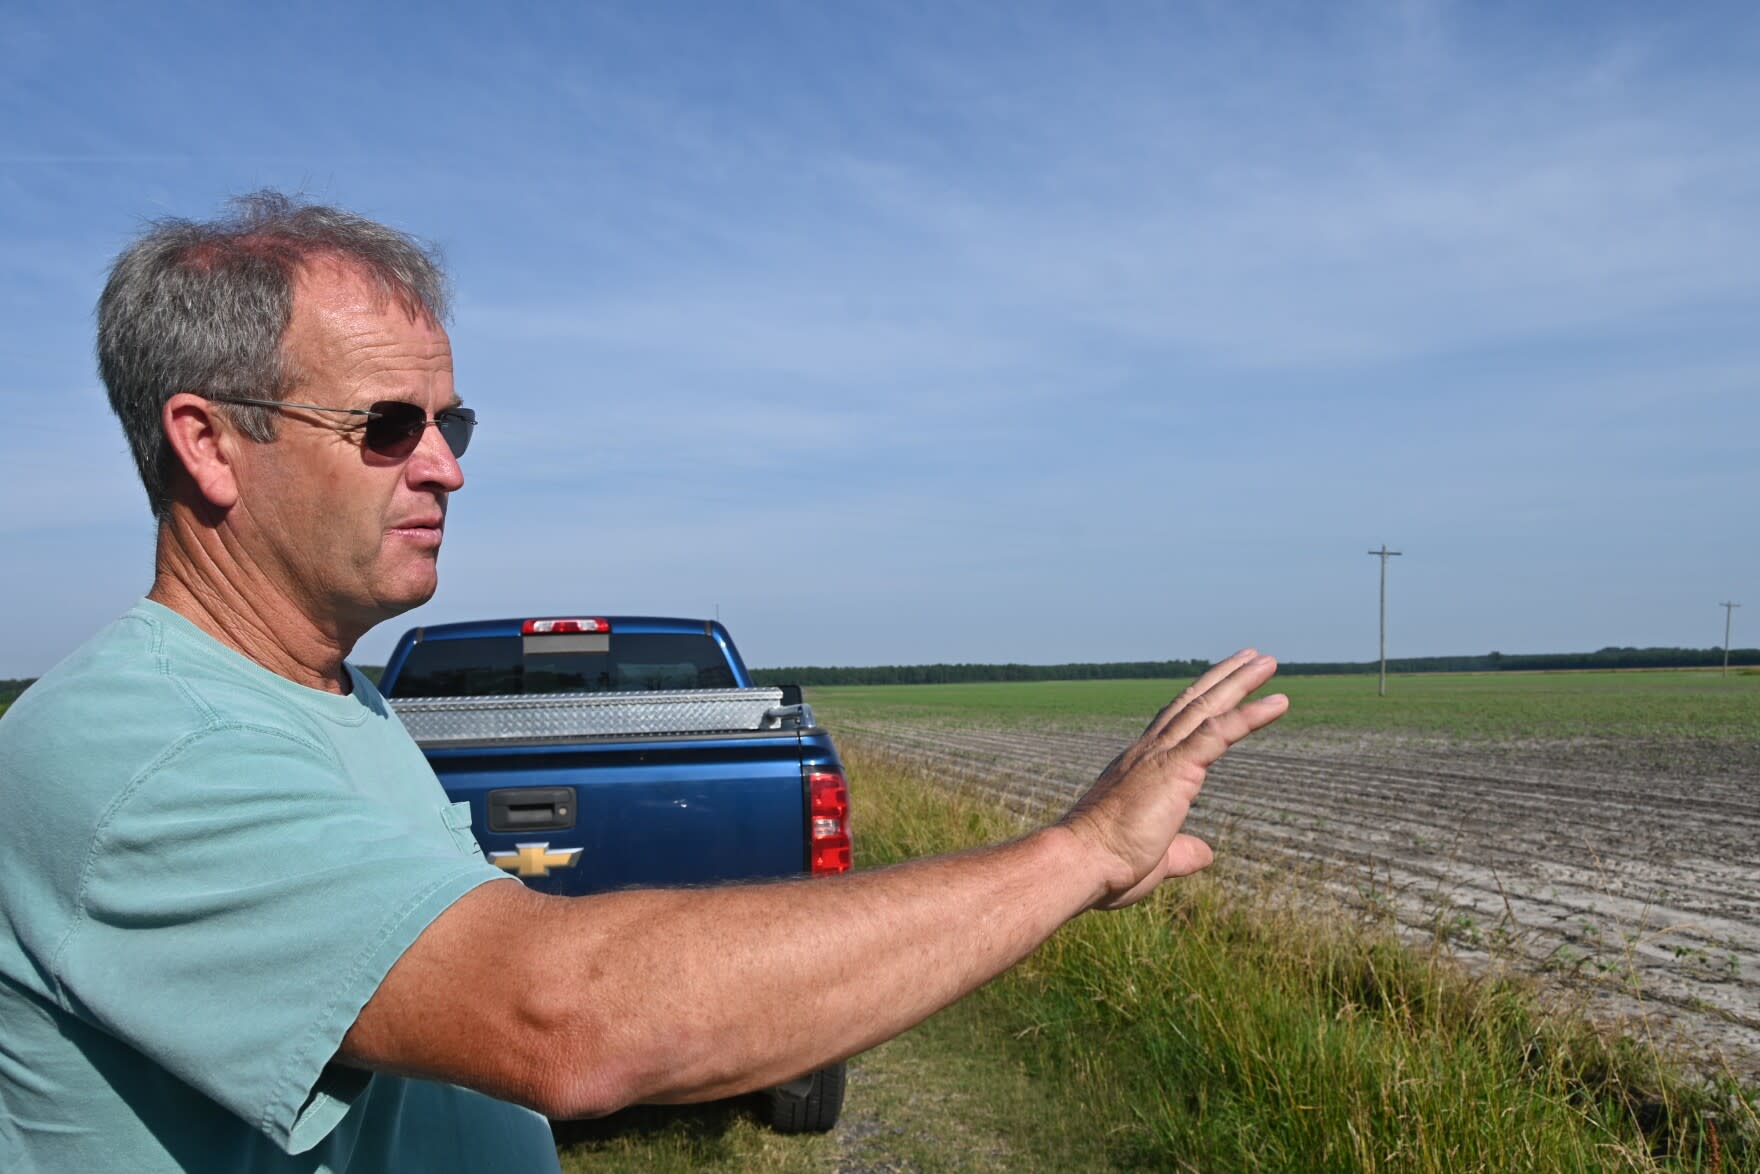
(808, 1105)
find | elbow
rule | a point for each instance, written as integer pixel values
(563, 1061)
(589, 1032)
(575, 1095)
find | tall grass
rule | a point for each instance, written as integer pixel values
(1243, 1023)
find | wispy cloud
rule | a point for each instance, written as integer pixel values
(1117, 311)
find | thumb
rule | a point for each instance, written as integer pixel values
(1186, 855)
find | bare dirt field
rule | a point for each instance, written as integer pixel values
(1627, 873)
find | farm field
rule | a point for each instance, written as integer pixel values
(1695, 705)
(1599, 828)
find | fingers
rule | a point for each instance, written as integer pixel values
(1198, 688)
(1259, 713)
(1221, 697)
(1210, 737)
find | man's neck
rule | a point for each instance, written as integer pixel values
(246, 612)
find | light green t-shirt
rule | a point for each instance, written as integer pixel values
(205, 872)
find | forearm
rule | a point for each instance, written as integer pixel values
(578, 1006)
(677, 995)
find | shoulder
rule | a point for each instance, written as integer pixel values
(110, 701)
(71, 747)
(140, 685)
(146, 693)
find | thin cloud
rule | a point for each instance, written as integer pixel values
(1134, 313)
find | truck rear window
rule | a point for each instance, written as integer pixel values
(498, 665)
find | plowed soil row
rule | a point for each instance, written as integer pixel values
(1627, 871)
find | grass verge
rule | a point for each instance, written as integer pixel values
(1235, 1024)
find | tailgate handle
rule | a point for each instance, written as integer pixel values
(531, 809)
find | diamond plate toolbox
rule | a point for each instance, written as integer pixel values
(432, 720)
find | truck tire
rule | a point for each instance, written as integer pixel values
(811, 1104)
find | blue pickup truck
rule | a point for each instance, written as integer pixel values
(605, 752)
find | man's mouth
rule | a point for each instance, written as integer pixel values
(421, 529)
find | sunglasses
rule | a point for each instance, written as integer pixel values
(393, 427)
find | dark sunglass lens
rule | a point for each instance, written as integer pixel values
(396, 428)
(456, 426)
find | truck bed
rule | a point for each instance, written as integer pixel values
(434, 721)
(582, 793)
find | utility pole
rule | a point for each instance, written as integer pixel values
(1384, 554)
(1729, 609)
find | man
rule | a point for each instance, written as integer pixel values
(247, 931)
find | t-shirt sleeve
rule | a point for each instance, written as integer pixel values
(241, 902)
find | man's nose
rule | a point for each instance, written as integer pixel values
(432, 465)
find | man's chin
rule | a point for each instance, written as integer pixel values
(405, 593)
(412, 599)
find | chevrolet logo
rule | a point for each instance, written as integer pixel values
(535, 859)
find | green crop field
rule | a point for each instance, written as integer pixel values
(1685, 704)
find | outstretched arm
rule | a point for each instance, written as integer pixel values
(578, 1006)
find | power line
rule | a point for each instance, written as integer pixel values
(1729, 609)
(1384, 554)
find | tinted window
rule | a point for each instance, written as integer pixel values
(487, 666)
(461, 668)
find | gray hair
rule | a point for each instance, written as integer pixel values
(203, 307)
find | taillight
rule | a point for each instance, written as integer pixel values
(828, 848)
(564, 627)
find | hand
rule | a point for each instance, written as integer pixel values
(1130, 818)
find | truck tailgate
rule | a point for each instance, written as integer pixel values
(589, 816)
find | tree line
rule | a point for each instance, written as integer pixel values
(949, 674)
(955, 674)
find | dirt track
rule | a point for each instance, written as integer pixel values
(1631, 871)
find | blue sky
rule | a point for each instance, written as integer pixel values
(981, 332)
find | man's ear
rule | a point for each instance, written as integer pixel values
(205, 445)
